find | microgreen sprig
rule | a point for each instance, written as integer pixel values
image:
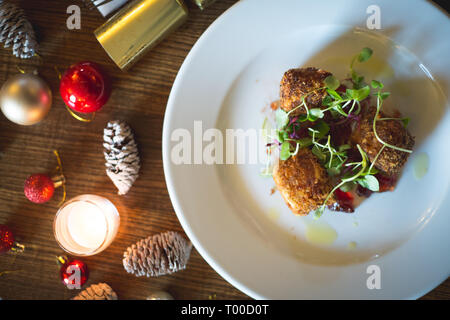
(331, 158)
(336, 102)
(381, 96)
(405, 121)
(311, 114)
(363, 176)
(362, 56)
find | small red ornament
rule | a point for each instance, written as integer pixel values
(39, 188)
(7, 241)
(74, 273)
(84, 87)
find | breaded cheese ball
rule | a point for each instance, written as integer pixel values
(296, 83)
(302, 182)
(393, 132)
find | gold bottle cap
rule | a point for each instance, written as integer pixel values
(138, 27)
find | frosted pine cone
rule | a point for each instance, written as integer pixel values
(157, 255)
(99, 291)
(16, 31)
(121, 155)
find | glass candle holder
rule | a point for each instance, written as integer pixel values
(86, 225)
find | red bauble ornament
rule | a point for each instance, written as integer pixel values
(39, 188)
(6, 239)
(74, 273)
(84, 87)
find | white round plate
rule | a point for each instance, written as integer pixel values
(250, 237)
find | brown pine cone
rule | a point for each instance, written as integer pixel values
(16, 31)
(157, 255)
(100, 291)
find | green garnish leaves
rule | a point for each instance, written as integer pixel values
(319, 212)
(315, 114)
(344, 147)
(362, 93)
(327, 100)
(376, 84)
(346, 187)
(332, 83)
(405, 122)
(357, 80)
(365, 54)
(304, 142)
(326, 153)
(282, 135)
(319, 154)
(281, 118)
(285, 151)
(369, 182)
(381, 96)
(333, 171)
(303, 118)
(358, 94)
(350, 93)
(384, 95)
(334, 95)
(363, 171)
(320, 129)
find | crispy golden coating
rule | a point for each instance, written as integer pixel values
(393, 132)
(298, 82)
(302, 182)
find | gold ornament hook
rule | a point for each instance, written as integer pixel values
(59, 179)
(8, 271)
(79, 118)
(61, 260)
(17, 247)
(20, 69)
(41, 60)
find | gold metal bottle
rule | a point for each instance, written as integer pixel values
(138, 27)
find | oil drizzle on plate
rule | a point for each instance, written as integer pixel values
(352, 245)
(273, 214)
(421, 165)
(320, 232)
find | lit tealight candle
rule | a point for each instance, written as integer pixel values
(86, 225)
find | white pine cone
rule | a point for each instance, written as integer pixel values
(157, 255)
(16, 31)
(121, 155)
(100, 291)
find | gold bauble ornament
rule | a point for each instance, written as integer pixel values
(25, 99)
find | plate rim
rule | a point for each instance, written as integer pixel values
(171, 183)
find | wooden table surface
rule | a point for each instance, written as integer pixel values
(139, 97)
